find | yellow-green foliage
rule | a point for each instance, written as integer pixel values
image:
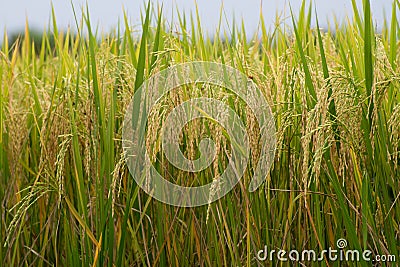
(68, 199)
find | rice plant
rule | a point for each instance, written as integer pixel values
(68, 198)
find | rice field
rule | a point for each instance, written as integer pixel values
(68, 198)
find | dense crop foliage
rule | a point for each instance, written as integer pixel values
(68, 199)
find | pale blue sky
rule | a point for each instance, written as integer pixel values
(106, 13)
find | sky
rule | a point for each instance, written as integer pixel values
(106, 14)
